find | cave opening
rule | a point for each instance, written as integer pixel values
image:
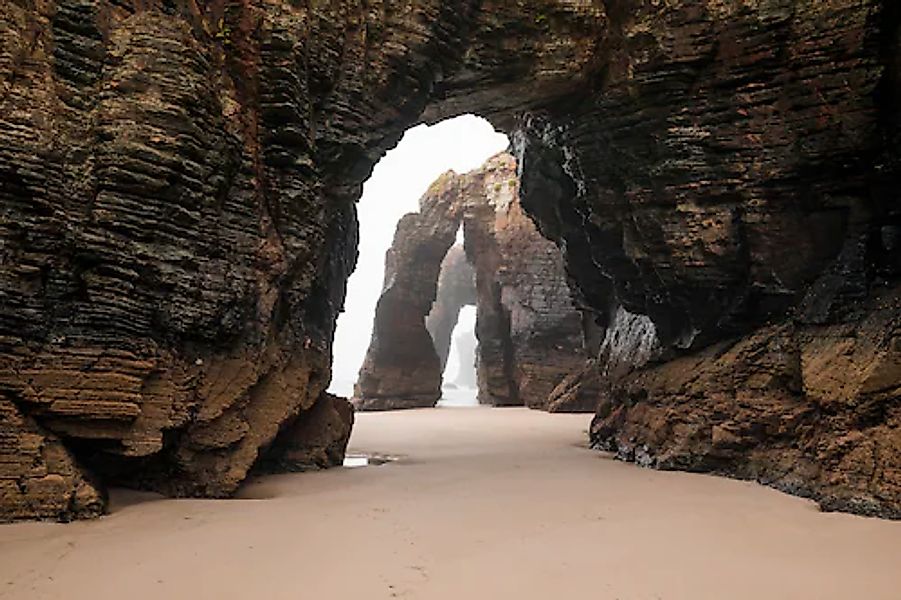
(393, 190)
(529, 328)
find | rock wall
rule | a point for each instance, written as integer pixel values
(178, 182)
(316, 440)
(530, 334)
(810, 409)
(733, 169)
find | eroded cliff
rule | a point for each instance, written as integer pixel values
(530, 332)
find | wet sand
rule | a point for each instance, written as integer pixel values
(483, 503)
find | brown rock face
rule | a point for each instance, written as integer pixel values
(316, 440)
(810, 409)
(38, 476)
(177, 183)
(529, 332)
(579, 391)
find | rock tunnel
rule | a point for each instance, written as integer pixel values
(178, 225)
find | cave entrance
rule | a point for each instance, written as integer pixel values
(530, 333)
(394, 189)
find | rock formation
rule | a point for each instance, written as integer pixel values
(316, 440)
(39, 478)
(529, 332)
(456, 289)
(402, 368)
(177, 183)
(810, 409)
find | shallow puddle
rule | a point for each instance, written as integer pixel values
(366, 460)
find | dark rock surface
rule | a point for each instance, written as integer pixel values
(177, 183)
(810, 409)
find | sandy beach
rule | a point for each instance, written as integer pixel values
(481, 503)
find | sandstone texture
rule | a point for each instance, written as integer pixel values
(316, 440)
(810, 409)
(38, 478)
(177, 187)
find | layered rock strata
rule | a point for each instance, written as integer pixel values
(316, 440)
(810, 409)
(38, 478)
(177, 183)
(530, 334)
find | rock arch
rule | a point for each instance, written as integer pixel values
(529, 331)
(178, 222)
(402, 368)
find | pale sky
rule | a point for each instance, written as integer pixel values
(397, 182)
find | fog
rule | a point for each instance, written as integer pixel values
(460, 366)
(394, 189)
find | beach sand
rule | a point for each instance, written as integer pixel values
(481, 503)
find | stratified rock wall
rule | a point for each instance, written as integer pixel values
(38, 476)
(810, 409)
(533, 336)
(494, 361)
(317, 439)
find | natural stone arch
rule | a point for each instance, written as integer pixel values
(178, 188)
(530, 333)
(402, 368)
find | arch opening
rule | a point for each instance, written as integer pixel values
(530, 332)
(459, 379)
(397, 183)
